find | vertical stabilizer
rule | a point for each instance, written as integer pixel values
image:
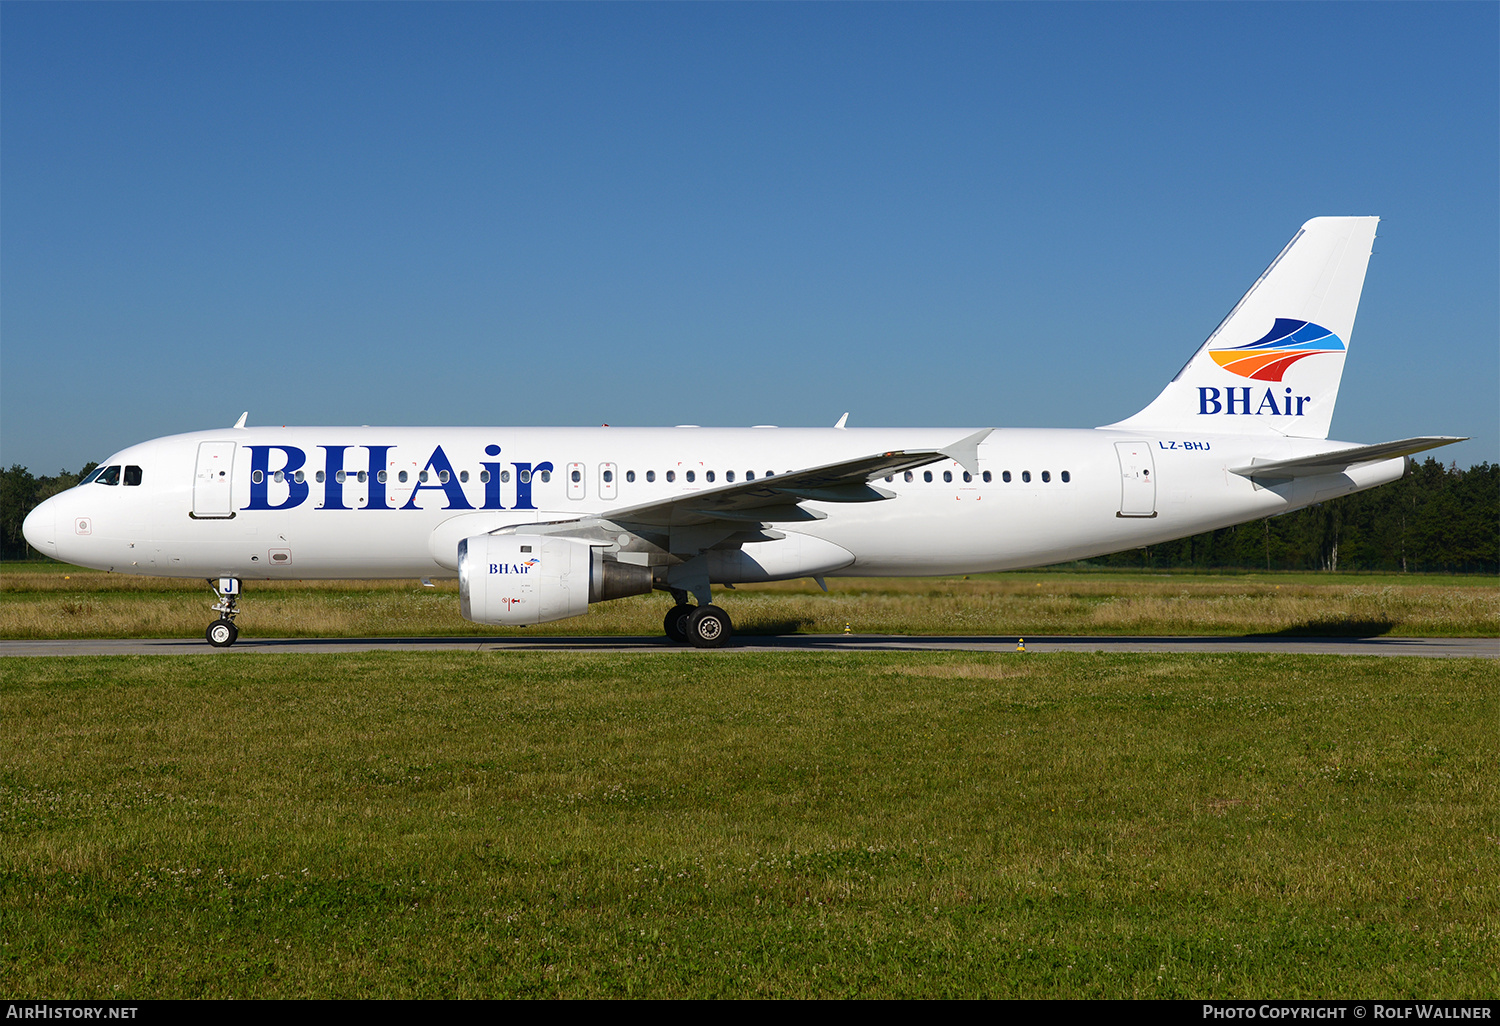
(1273, 365)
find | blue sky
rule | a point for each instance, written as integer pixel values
(970, 214)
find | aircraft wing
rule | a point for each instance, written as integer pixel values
(778, 499)
(1341, 459)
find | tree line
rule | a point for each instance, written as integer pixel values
(1436, 519)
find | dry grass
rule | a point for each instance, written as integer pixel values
(56, 602)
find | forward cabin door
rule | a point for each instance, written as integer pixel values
(1137, 480)
(213, 479)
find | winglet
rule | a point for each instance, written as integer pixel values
(842, 421)
(965, 451)
(240, 424)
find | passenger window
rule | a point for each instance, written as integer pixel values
(968, 477)
(889, 478)
(650, 476)
(463, 476)
(442, 476)
(279, 476)
(1046, 475)
(363, 476)
(319, 476)
(630, 477)
(484, 476)
(524, 476)
(927, 476)
(1005, 477)
(1066, 477)
(257, 477)
(691, 476)
(749, 475)
(401, 477)
(986, 477)
(298, 476)
(948, 476)
(729, 476)
(382, 476)
(909, 477)
(671, 475)
(505, 477)
(1026, 476)
(132, 475)
(577, 476)
(709, 477)
(609, 475)
(546, 476)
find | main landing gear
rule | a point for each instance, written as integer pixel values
(699, 626)
(222, 632)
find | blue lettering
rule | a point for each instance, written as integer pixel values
(1244, 400)
(377, 467)
(447, 482)
(1207, 396)
(333, 488)
(523, 482)
(1268, 400)
(260, 460)
(492, 486)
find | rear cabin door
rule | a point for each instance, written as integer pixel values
(1137, 480)
(213, 479)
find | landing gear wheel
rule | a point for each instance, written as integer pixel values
(709, 627)
(676, 623)
(221, 633)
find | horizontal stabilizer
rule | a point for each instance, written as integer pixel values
(1341, 459)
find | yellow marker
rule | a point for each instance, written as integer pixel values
(1020, 644)
(847, 630)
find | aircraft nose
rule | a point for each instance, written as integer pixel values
(40, 528)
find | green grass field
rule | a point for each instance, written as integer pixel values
(54, 601)
(782, 825)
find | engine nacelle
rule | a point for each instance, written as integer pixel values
(520, 579)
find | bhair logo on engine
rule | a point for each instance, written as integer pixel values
(513, 567)
(1267, 359)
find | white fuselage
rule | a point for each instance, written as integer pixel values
(238, 509)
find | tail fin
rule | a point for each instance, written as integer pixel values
(1273, 365)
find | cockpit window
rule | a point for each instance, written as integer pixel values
(132, 475)
(108, 476)
(91, 475)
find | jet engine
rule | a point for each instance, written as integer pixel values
(520, 579)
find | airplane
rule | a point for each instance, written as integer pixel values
(537, 524)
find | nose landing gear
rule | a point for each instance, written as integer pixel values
(222, 632)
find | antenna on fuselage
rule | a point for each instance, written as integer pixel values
(240, 424)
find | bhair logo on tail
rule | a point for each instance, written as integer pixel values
(1269, 357)
(1292, 328)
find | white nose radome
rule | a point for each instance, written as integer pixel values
(40, 528)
